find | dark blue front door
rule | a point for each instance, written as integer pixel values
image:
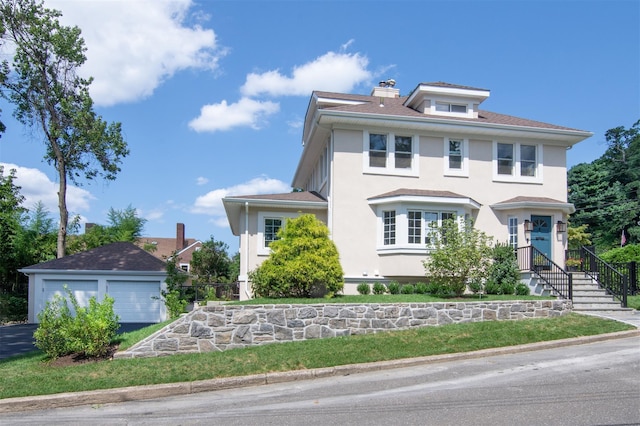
(541, 234)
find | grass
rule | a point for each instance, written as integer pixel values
(30, 374)
(385, 298)
(633, 302)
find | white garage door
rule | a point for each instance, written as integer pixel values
(136, 301)
(82, 290)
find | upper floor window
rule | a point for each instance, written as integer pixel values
(377, 150)
(517, 162)
(456, 157)
(388, 153)
(448, 107)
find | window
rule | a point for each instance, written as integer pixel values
(455, 154)
(271, 227)
(447, 107)
(377, 150)
(515, 162)
(513, 232)
(403, 152)
(390, 154)
(414, 219)
(425, 220)
(389, 233)
(505, 159)
(527, 160)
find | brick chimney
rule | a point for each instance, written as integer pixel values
(180, 241)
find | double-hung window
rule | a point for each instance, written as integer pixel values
(518, 162)
(377, 150)
(455, 154)
(390, 154)
(422, 226)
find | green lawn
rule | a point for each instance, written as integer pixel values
(385, 298)
(31, 375)
(633, 302)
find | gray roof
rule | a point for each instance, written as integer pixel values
(419, 193)
(301, 196)
(120, 256)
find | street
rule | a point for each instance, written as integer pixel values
(591, 384)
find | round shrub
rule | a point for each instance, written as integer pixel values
(421, 288)
(523, 290)
(407, 289)
(379, 288)
(475, 287)
(364, 288)
(393, 287)
(507, 288)
(492, 287)
(433, 288)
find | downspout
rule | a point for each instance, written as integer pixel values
(246, 249)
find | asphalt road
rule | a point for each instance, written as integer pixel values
(589, 384)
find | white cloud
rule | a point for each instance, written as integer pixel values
(223, 116)
(201, 181)
(339, 72)
(35, 186)
(133, 46)
(211, 202)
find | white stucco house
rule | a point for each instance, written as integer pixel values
(132, 276)
(379, 169)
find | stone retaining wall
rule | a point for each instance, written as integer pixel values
(222, 327)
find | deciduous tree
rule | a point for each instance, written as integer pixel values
(48, 95)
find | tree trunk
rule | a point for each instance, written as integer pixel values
(62, 206)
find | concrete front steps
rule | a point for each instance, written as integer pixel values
(588, 297)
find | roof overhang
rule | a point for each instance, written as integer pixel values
(421, 199)
(233, 207)
(566, 208)
(31, 271)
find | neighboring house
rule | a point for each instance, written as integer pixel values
(379, 170)
(166, 247)
(132, 276)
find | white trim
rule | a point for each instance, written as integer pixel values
(516, 177)
(261, 249)
(464, 170)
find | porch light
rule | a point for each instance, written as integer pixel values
(528, 226)
(561, 227)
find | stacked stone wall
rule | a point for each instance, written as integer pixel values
(222, 327)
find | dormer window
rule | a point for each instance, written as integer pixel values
(447, 107)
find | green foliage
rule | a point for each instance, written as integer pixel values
(174, 300)
(407, 289)
(379, 288)
(303, 261)
(364, 288)
(461, 254)
(492, 288)
(11, 212)
(89, 332)
(421, 288)
(606, 192)
(211, 264)
(394, 287)
(578, 236)
(124, 225)
(504, 270)
(626, 254)
(476, 287)
(47, 92)
(12, 308)
(522, 289)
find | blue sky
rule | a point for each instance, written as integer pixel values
(212, 94)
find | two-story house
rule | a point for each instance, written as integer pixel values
(381, 170)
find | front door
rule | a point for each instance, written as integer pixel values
(541, 234)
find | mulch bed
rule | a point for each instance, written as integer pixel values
(78, 359)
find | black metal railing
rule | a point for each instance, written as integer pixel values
(533, 260)
(210, 291)
(610, 279)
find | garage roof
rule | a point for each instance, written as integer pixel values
(120, 256)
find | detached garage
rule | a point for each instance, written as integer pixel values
(132, 276)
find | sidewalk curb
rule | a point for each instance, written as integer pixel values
(138, 393)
